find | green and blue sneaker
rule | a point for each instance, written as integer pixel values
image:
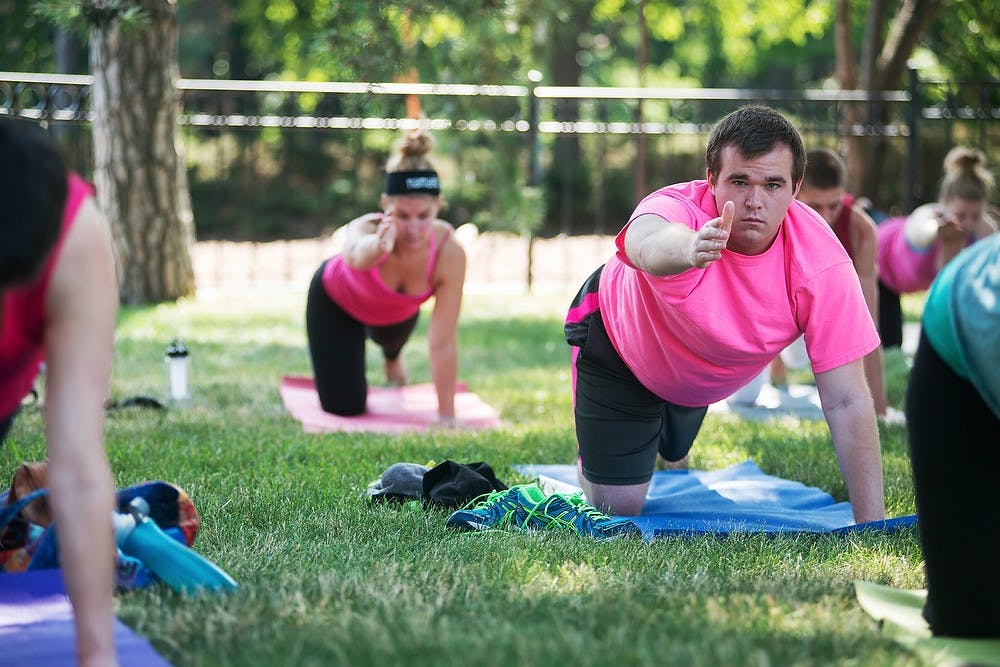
(510, 508)
(571, 512)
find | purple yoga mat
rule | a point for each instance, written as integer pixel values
(36, 625)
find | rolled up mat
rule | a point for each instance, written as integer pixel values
(899, 613)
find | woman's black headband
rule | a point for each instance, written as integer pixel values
(412, 183)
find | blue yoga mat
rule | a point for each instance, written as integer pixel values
(737, 499)
(36, 625)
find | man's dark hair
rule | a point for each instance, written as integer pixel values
(754, 130)
(33, 188)
(824, 169)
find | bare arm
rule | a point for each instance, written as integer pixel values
(921, 227)
(368, 239)
(442, 332)
(952, 239)
(848, 408)
(81, 311)
(668, 248)
(864, 242)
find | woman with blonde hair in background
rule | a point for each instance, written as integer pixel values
(913, 249)
(391, 262)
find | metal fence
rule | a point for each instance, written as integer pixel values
(306, 157)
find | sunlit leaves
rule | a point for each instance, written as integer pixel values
(665, 21)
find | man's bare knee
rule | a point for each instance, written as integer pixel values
(623, 500)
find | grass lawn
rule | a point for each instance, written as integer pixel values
(328, 578)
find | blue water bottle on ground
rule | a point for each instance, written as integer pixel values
(181, 568)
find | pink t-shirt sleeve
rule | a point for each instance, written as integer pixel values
(825, 308)
(676, 203)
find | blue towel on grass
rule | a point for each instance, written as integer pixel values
(737, 499)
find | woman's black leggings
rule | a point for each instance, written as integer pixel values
(890, 317)
(955, 453)
(337, 349)
(5, 424)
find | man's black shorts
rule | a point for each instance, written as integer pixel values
(620, 424)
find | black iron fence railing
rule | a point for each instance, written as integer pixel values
(306, 157)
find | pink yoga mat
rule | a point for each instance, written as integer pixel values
(390, 409)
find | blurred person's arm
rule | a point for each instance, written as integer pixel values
(848, 408)
(922, 226)
(442, 332)
(864, 243)
(368, 239)
(81, 310)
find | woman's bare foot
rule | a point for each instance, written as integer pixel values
(395, 372)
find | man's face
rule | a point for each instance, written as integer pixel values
(761, 189)
(826, 202)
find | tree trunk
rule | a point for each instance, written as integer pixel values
(139, 166)
(568, 173)
(70, 57)
(865, 154)
(858, 147)
(850, 112)
(641, 144)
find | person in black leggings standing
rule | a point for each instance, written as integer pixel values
(953, 413)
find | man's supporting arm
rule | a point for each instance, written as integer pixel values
(849, 411)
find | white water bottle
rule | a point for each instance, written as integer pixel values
(178, 360)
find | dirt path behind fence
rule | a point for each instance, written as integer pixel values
(497, 262)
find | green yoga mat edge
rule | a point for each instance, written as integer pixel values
(899, 614)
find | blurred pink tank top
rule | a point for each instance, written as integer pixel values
(902, 267)
(364, 296)
(22, 340)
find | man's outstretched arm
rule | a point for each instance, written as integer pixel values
(664, 248)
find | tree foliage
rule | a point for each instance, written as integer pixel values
(344, 40)
(27, 42)
(964, 41)
(82, 15)
(692, 42)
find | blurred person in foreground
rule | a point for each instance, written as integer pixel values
(953, 413)
(60, 302)
(391, 263)
(711, 280)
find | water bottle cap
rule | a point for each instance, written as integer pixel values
(177, 349)
(138, 508)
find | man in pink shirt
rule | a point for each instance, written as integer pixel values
(712, 279)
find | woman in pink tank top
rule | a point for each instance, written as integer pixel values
(59, 304)
(912, 250)
(391, 262)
